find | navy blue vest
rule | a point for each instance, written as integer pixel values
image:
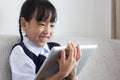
(38, 60)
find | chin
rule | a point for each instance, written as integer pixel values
(42, 44)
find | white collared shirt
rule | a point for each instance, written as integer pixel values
(22, 67)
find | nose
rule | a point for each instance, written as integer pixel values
(47, 29)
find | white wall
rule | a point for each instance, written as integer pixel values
(84, 18)
(9, 15)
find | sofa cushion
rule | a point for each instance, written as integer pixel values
(6, 43)
(104, 64)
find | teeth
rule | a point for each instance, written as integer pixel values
(43, 39)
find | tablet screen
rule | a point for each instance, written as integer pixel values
(50, 65)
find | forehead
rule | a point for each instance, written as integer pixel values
(47, 16)
(44, 12)
(44, 16)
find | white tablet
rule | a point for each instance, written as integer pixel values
(50, 65)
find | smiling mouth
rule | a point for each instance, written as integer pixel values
(44, 38)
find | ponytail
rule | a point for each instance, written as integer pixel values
(20, 32)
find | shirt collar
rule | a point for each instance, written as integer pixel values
(44, 50)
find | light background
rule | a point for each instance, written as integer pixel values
(82, 18)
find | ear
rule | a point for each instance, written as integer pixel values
(23, 23)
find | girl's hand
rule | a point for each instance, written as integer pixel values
(67, 64)
(72, 75)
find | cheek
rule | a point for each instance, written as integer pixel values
(52, 31)
(38, 30)
(34, 33)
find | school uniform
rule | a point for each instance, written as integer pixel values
(26, 58)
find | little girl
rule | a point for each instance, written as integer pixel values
(37, 19)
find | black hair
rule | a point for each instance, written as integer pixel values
(42, 9)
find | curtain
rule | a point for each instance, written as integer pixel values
(116, 19)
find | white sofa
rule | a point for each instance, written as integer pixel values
(104, 64)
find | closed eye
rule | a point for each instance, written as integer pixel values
(52, 25)
(41, 24)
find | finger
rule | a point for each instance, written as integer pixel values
(74, 50)
(62, 56)
(79, 53)
(70, 50)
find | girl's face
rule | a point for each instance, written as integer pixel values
(38, 32)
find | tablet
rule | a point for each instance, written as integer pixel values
(51, 66)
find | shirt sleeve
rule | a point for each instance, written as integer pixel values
(22, 67)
